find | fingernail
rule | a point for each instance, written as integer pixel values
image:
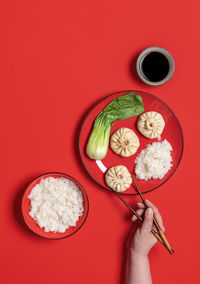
(133, 218)
(149, 211)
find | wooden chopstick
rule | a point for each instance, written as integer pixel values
(139, 217)
(160, 232)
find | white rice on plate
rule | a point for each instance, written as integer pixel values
(154, 161)
(56, 204)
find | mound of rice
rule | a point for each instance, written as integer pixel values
(56, 204)
(154, 161)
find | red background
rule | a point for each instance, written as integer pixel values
(57, 59)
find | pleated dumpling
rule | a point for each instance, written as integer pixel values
(118, 178)
(124, 142)
(151, 124)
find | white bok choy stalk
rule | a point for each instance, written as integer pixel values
(122, 107)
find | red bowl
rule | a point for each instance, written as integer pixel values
(35, 227)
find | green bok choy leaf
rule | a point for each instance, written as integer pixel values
(122, 107)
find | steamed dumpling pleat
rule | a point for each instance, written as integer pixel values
(151, 124)
(118, 178)
(124, 142)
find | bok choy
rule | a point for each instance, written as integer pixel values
(122, 107)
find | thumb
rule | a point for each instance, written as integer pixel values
(148, 222)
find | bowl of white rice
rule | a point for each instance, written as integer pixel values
(55, 206)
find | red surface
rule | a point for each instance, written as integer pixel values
(34, 226)
(57, 59)
(172, 132)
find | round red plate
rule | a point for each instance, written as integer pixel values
(34, 226)
(172, 132)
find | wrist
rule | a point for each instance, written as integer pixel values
(138, 267)
(136, 254)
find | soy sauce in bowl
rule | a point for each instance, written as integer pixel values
(155, 66)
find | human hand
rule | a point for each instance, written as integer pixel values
(141, 239)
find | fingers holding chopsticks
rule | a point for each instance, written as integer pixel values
(156, 213)
(152, 227)
(140, 212)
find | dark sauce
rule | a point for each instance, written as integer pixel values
(155, 66)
